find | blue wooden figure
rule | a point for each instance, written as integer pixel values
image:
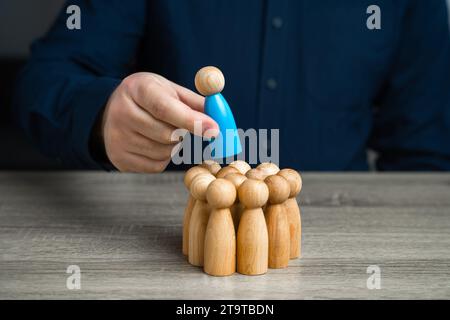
(210, 81)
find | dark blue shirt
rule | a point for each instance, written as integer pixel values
(312, 68)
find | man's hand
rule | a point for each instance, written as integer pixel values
(141, 115)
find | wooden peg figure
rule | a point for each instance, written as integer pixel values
(256, 174)
(252, 237)
(277, 221)
(189, 176)
(293, 211)
(212, 166)
(237, 208)
(242, 166)
(210, 81)
(220, 237)
(199, 218)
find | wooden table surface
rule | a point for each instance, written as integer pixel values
(124, 232)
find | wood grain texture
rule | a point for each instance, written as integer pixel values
(294, 219)
(125, 231)
(209, 80)
(220, 244)
(293, 211)
(279, 235)
(277, 222)
(252, 243)
(197, 231)
(220, 237)
(187, 222)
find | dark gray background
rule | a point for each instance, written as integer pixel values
(21, 21)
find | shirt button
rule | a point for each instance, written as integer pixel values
(277, 22)
(271, 83)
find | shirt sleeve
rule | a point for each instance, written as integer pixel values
(71, 74)
(411, 129)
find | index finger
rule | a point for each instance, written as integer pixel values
(167, 108)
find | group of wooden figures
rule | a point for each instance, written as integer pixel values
(241, 218)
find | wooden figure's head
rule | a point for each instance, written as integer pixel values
(226, 171)
(279, 189)
(236, 178)
(242, 166)
(191, 174)
(209, 80)
(212, 166)
(221, 193)
(255, 174)
(268, 168)
(294, 179)
(253, 193)
(200, 184)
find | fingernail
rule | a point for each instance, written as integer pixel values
(210, 133)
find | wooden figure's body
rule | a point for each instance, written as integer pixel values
(220, 244)
(252, 238)
(252, 243)
(279, 237)
(199, 218)
(197, 231)
(189, 176)
(220, 238)
(236, 213)
(186, 221)
(277, 222)
(295, 227)
(293, 211)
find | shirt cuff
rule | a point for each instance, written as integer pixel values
(87, 103)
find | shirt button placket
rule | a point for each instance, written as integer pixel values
(277, 22)
(272, 65)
